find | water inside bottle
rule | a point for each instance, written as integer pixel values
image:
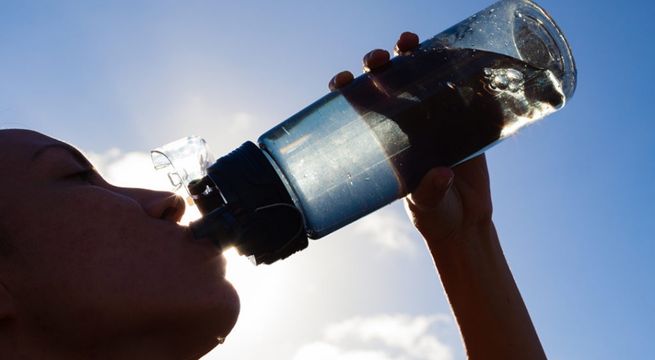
(358, 149)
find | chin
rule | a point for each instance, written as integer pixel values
(208, 323)
(220, 311)
(232, 307)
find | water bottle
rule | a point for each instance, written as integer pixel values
(360, 148)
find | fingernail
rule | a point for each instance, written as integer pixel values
(366, 62)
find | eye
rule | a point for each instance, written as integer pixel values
(87, 175)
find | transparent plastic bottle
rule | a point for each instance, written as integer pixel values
(369, 143)
(358, 149)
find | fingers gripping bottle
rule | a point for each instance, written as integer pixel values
(361, 147)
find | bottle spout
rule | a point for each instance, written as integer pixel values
(186, 160)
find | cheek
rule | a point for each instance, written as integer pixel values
(80, 240)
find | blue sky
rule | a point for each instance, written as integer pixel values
(574, 195)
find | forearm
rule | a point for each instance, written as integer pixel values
(490, 312)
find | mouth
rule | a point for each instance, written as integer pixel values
(205, 249)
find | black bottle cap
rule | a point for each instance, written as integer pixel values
(256, 214)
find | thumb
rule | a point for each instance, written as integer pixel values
(432, 189)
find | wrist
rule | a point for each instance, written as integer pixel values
(476, 235)
(486, 302)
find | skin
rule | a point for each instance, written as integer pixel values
(108, 272)
(452, 209)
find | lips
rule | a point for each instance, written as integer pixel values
(207, 251)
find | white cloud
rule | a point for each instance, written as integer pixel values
(383, 337)
(324, 351)
(388, 229)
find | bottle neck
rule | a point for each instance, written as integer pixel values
(245, 204)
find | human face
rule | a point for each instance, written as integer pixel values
(95, 265)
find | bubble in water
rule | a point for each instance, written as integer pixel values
(504, 79)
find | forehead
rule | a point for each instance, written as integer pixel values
(19, 145)
(17, 148)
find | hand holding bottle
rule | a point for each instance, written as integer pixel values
(448, 202)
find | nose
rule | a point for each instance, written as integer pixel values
(160, 204)
(171, 207)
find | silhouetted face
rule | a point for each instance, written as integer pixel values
(94, 265)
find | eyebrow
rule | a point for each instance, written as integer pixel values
(71, 150)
